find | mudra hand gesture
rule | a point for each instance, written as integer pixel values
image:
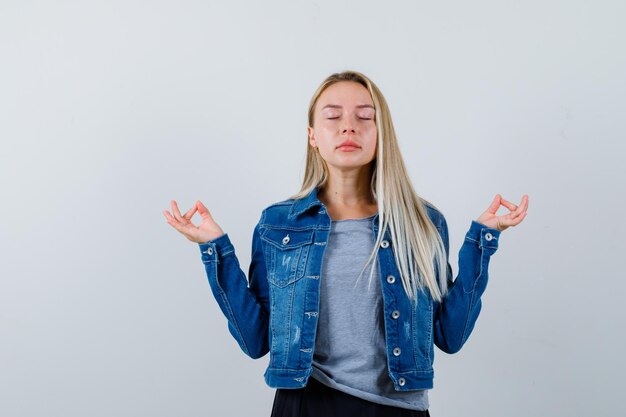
(207, 230)
(502, 222)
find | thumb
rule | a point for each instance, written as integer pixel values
(204, 212)
(495, 204)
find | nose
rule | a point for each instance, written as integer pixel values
(347, 128)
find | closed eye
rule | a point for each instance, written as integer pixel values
(362, 118)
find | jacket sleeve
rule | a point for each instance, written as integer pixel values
(455, 316)
(244, 302)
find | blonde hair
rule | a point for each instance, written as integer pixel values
(416, 243)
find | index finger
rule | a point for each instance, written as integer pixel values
(521, 208)
(175, 210)
(191, 212)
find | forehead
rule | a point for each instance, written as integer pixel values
(346, 94)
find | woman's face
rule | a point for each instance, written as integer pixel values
(344, 112)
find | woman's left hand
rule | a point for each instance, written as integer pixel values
(517, 214)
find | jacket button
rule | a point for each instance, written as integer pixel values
(488, 236)
(397, 351)
(391, 279)
(401, 382)
(384, 244)
(209, 251)
(286, 240)
(395, 314)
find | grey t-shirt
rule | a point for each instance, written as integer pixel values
(350, 352)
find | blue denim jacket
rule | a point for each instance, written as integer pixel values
(275, 309)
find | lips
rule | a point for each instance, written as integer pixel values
(348, 144)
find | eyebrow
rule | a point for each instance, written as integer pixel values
(337, 106)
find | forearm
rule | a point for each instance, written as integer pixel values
(248, 320)
(456, 315)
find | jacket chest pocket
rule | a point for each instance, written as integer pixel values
(288, 251)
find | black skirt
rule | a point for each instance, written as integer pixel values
(319, 400)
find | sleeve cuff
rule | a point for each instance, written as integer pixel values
(216, 248)
(484, 236)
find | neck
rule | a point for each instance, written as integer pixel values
(347, 189)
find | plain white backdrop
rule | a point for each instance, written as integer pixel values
(110, 109)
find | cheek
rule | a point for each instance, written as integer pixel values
(328, 128)
(324, 135)
(370, 127)
(371, 134)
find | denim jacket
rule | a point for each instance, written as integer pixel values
(275, 309)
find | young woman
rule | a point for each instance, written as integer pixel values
(341, 345)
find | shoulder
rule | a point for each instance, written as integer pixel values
(435, 214)
(280, 205)
(439, 221)
(276, 212)
(283, 206)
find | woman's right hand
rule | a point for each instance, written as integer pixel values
(208, 229)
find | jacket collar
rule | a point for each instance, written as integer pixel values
(303, 204)
(310, 200)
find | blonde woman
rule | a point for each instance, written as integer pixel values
(349, 287)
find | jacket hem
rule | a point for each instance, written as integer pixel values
(284, 378)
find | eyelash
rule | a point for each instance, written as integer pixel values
(362, 118)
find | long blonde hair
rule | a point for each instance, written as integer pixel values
(416, 243)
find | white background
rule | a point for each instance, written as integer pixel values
(109, 109)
